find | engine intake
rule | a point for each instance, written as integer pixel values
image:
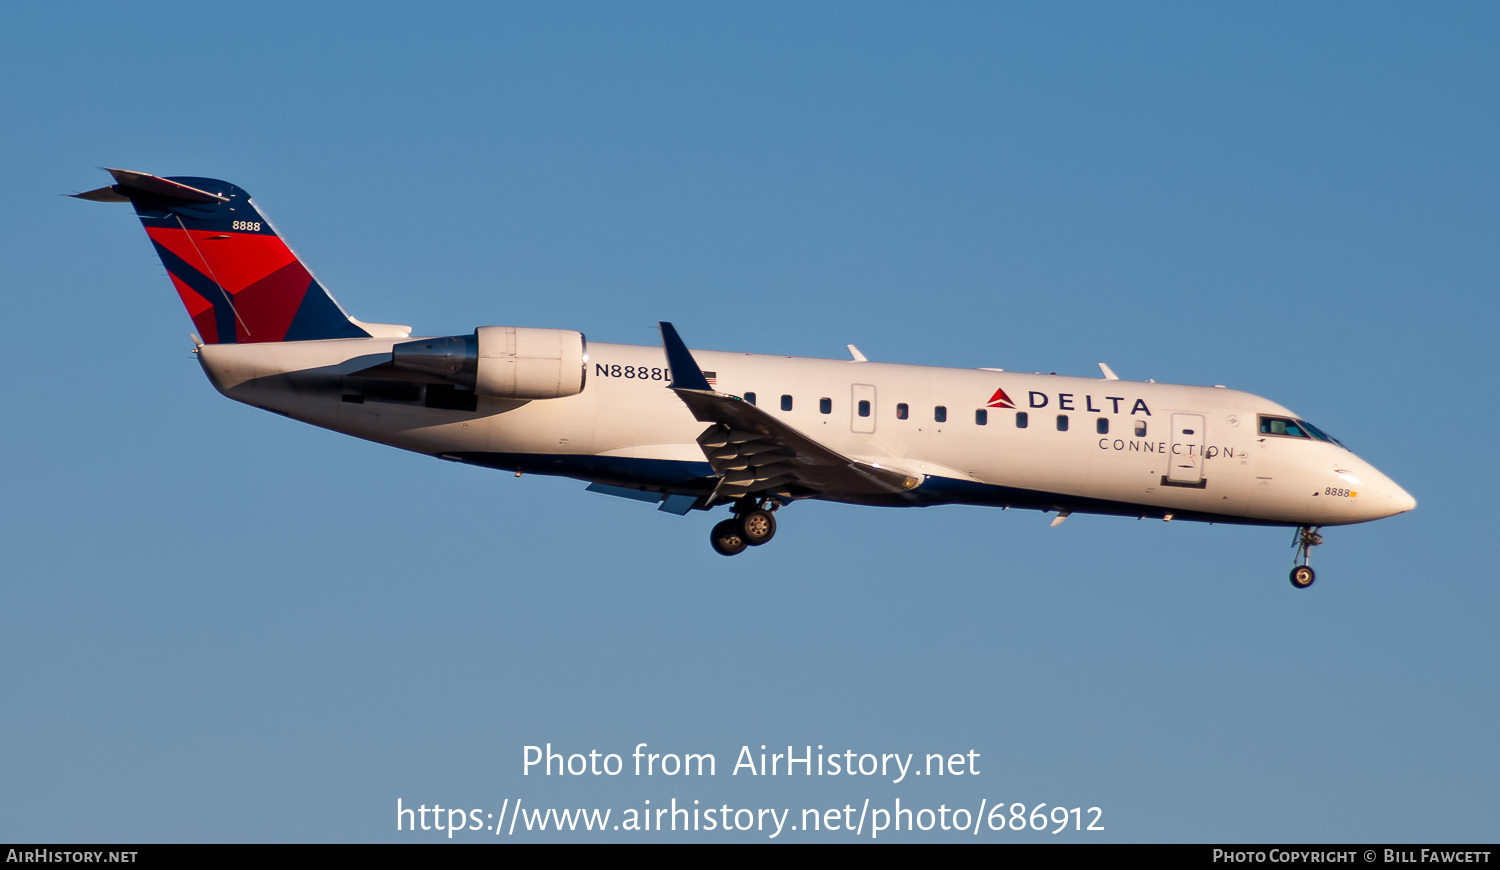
(502, 362)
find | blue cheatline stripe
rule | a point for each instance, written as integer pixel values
(686, 478)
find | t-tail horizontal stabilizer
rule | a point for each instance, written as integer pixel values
(141, 184)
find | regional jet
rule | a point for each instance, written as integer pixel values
(697, 430)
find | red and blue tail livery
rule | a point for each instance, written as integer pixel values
(238, 280)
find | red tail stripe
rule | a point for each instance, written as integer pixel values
(234, 260)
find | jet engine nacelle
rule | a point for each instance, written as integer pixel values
(502, 362)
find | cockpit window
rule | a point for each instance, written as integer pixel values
(1281, 426)
(1289, 428)
(1317, 433)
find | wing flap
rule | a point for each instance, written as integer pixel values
(754, 453)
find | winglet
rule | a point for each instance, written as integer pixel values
(1109, 373)
(685, 372)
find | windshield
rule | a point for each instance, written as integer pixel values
(1319, 434)
(1287, 427)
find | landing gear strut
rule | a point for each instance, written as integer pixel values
(752, 525)
(1307, 538)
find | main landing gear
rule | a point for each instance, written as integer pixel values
(1307, 538)
(751, 526)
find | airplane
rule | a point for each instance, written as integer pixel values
(697, 430)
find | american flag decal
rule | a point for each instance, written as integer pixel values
(711, 377)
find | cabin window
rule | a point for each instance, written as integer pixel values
(825, 405)
(786, 403)
(1140, 428)
(750, 397)
(902, 411)
(1062, 422)
(940, 413)
(1022, 419)
(864, 407)
(981, 417)
(1102, 426)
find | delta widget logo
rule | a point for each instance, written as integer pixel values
(1000, 400)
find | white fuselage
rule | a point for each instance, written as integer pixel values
(1127, 448)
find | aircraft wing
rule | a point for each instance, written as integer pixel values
(754, 453)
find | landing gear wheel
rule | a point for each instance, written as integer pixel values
(757, 527)
(727, 539)
(1306, 538)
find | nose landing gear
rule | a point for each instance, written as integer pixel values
(751, 526)
(1307, 537)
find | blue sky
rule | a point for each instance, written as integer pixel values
(221, 625)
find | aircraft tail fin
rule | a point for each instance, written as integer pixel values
(238, 280)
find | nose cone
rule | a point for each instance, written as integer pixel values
(1386, 497)
(1378, 496)
(1401, 500)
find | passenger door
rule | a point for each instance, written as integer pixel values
(1185, 465)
